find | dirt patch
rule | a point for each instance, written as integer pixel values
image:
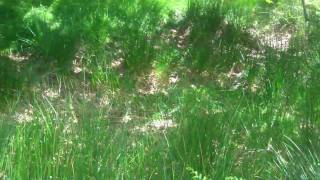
(156, 125)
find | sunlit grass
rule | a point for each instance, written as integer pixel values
(158, 90)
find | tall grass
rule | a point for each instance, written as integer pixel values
(234, 114)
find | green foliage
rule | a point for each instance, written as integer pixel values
(234, 106)
(9, 23)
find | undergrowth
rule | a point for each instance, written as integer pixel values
(162, 89)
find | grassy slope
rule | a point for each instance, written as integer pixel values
(234, 114)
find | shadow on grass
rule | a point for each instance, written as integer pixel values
(209, 41)
(7, 129)
(20, 74)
